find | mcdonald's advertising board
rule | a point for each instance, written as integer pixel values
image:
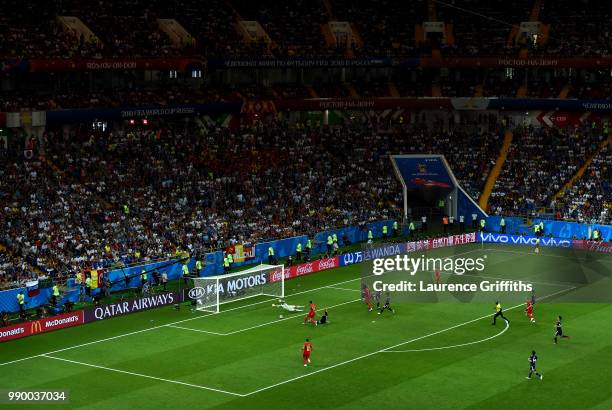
(42, 325)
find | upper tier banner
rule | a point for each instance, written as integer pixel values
(185, 64)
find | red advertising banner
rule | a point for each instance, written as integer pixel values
(556, 119)
(595, 246)
(305, 269)
(14, 331)
(321, 104)
(604, 62)
(442, 242)
(43, 325)
(106, 64)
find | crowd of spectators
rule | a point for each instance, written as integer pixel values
(104, 199)
(539, 162)
(97, 200)
(384, 28)
(101, 199)
(482, 28)
(590, 198)
(577, 28)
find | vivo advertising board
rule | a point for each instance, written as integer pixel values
(524, 240)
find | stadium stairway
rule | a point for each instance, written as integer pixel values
(583, 168)
(535, 10)
(431, 10)
(393, 91)
(328, 10)
(512, 36)
(352, 91)
(564, 92)
(356, 36)
(495, 171)
(330, 41)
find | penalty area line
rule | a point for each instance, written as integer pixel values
(146, 376)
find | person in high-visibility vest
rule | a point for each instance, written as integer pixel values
(541, 228)
(499, 312)
(330, 244)
(126, 209)
(143, 277)
(198, 267)
(21, 301)
(482, 225)
(502, 225)
(271, 255)
(384, 231)
(230, 259)
(445, 224)
(395, 228)
(370, 236)
(298, 252)
(226, 264)
(412, 229)
(185, 269)
(536, 229)
(335, 238)
(88, 286)
(596, 235)
(55, 295)
(308, 247)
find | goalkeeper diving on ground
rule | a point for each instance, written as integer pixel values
(289, 308)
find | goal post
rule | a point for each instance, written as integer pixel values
(210, 292)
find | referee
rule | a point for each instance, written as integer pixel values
(499, 312)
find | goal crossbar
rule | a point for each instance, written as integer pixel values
(210, 292)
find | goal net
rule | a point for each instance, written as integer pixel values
(210, 292)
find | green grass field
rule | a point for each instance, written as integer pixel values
(426, 355)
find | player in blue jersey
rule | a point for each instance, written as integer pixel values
(559, 329)
(532, 366)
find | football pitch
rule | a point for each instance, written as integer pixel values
(425, 355)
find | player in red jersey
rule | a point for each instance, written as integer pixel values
(366, 296)
(437, 277)
(306, 352)
(310, 317)
(529, 311)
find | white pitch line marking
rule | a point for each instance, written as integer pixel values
(453, 346)
(197, 330)
(347, 289)
(197, 386)
(390, 347)
(261, 324)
